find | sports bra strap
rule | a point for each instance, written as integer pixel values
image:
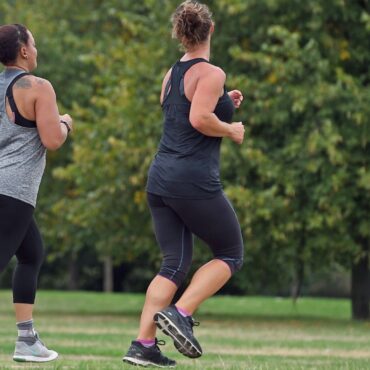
(18, 118)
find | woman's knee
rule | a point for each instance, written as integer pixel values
(232, 256)
(31, 251)
(235, 264)
(31, 256)
(175, 274)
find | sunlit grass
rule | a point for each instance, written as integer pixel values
(94, 330)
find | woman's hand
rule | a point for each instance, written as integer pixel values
(237, 97)
(237, 132)
(67, 118)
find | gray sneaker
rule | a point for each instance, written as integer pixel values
(28, 350)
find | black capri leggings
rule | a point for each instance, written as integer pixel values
(20, 236)
(212, 220)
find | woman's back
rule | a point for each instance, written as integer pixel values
(22, 154)
(187, 162)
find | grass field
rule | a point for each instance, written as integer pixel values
(93, 331)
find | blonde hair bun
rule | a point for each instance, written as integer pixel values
(191, 23)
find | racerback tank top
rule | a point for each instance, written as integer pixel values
(22, 154)
(187, 162)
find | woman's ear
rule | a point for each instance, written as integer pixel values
(23, 52)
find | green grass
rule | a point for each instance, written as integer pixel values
(93, 331)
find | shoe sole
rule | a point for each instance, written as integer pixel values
(183, 344)
(19, 358)
(136, 362)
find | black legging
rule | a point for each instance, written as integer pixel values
(212, 220)
(20, 236)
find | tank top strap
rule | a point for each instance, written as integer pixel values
(185, 66)
(175, 84)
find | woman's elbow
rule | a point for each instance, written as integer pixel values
(198, 121)
(52, 147)
(53, 144)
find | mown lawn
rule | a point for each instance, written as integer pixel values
(93, 331)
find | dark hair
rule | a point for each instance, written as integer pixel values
(191, 23)
(12, 37)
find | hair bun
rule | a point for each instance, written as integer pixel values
(191, 23)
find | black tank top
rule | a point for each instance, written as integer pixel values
(187, 162)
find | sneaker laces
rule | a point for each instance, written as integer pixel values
(193, 322)
(159, 342)
(38, 338)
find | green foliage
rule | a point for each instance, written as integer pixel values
(300, 182)
(114, 143)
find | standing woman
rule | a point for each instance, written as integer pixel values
(29, 124)
(184, 191)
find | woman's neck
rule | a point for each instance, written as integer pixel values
(16, 66)
(202, 51)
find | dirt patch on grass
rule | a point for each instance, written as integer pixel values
(92, 330)
(292, 352)
(279, 335)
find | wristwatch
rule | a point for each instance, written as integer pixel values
(66, 124)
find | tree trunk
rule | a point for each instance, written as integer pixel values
(360, 289)
(108, 274)
(298, 280)
(72, 273)
(299, 264)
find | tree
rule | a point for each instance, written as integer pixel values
(115, 144)
(304, 194)
(300, 182)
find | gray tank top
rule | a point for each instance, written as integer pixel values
(22, 154)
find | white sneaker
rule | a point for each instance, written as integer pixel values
(36, 352)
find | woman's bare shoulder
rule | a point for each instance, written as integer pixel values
(208, 70)
(35, 84)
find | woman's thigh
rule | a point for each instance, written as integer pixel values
(15, 219)
(212, 220)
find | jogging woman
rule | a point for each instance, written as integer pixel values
(184, 191)
(29, 125)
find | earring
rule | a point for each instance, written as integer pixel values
(26, 56)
